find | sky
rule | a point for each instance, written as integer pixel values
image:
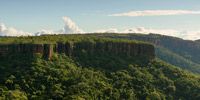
(180, 18)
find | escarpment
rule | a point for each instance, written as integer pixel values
(74, 49)
(6, 49)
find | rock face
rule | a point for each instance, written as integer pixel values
(74, 49)
(6, 49)
(112, 48)
(47, 51)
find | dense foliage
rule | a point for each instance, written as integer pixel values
(176, 59)
(65, 78)
(92, 77)
(181, 53)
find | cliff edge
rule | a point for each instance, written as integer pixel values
(73, 49)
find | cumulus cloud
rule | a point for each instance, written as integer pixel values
(143, 30)
(111, 30)
(9, 31)
(189, 35)
(70, 26)
(42, 32)
(156, 13)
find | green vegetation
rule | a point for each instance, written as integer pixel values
(65, 78)
(177, 60)
(91, 77)
(52, 39)
(181, 53)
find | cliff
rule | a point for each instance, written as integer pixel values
(74, 49)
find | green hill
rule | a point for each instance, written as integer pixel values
(85, 75)
(197, 41)
(182, 53)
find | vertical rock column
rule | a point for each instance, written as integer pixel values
(60, 47)
(37, 48)
(47, 51)
(68, 48)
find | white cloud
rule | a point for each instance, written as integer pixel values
(70, 26)
(42, 32)
(156, 13)
(189, 35)
(9, 31)
(111, 30)
(143, 30)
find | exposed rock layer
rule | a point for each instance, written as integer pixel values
(73, 49)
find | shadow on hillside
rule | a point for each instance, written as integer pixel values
(108, 62)
(14, 64)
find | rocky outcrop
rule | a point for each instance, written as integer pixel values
(47, 51)
(128, 49)
(26, 49)
(20, 48)
(112, 48)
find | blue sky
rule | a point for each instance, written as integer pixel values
(92, 15)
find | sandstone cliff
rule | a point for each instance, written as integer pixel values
(70, 48)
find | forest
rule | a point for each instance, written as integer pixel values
(93, 76)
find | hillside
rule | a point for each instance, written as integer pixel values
(176, 51)
(95, 68)
(182, 53)
(197, 41)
